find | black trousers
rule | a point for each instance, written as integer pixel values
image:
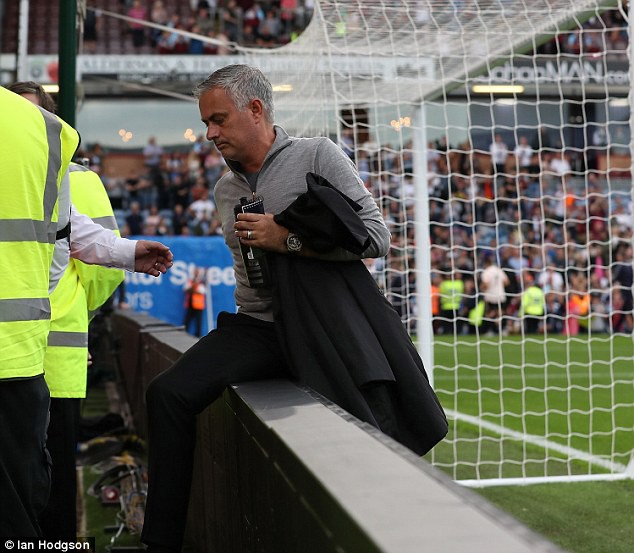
(195, 315)
(24, 461)
(240, 349)
(531, 324)
(59, 519)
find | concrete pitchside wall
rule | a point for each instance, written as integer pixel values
(279, 469)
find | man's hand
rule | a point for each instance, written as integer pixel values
(261, 231)
(152, 258)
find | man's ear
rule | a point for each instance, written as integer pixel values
(257, 109)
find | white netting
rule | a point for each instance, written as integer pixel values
(529, 395)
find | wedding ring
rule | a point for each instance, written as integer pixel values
(249, 234)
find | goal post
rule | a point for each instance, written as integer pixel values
(422, 268)
(493, 134)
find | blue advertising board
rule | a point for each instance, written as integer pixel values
(163, 297)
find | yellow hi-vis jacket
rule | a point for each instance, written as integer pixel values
(82, 290)
(533, 302)
(451, 292)
(35, 150)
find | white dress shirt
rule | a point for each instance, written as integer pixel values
(92, 244)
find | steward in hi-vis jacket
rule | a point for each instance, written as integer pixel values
(35, 150)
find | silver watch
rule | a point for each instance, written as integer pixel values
(293, 243)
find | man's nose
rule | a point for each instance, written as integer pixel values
(212, 132)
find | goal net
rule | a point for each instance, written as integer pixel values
(495, 136)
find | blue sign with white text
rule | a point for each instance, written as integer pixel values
(163, 297)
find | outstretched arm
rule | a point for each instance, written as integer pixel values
(95, 245)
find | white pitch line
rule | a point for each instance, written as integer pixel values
(569, 452)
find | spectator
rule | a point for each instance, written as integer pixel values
(347, 141)
(200, 148)
(214, 166)
(560, 164)
(499, 153)
(116, 189)
(200, 189)
(551, 281)
(195, 294)
(196, 46)
(92, 25)
(555, 314)
(173, 41)
(309, 8)
(223, 47)
(532, 307)
(152, 154)
(134, 221)
(159, 15)
(174, 165)
(617, 314)
(287, 15)
(179, 220)
(471, 309)
(132, 183)
(543, 141)
(252, 18)
(599, 319)
(95, 158)
(622, 280)
(269, 29)
(146, 191)
(231, 17)
(578, 304)
(451, 297)
(137, 30)
(180, 190)
(154, 223)
(211, 5)
(204, 22)
(493, 282)
(398, 286)
(622, 215)
(523, 154)
(620, 139)
(201, 214)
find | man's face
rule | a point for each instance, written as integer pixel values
(232, 131)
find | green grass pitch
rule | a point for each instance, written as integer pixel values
(533, 406)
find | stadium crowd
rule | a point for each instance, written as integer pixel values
(272, 23)
(527, 213)
(520, 243)
(227, 23)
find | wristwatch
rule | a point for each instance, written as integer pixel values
(293, 243)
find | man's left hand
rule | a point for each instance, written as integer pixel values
(152, 258)
(261, 231)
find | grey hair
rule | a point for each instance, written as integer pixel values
(242, 83)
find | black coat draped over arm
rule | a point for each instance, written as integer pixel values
(341, 337)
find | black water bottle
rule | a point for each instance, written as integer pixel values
(255, 260)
